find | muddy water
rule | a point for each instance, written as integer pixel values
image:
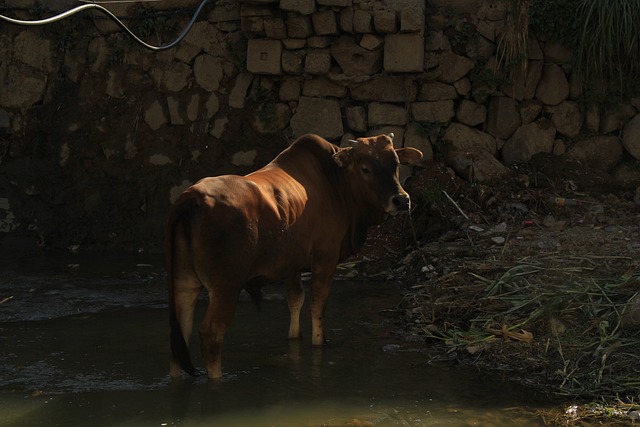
(83, 341)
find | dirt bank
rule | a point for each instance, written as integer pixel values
(537, 275)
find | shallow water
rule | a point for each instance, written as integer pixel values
(84, 340)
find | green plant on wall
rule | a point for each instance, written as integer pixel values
(604, 36)
(512, 44)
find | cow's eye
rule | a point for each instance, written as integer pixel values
(365, 170)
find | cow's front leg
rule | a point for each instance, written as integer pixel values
(320, 287)
(295, 299)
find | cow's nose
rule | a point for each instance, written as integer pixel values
(401, 202)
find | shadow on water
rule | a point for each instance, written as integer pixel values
(84, 340)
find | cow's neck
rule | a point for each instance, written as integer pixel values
(361, 218)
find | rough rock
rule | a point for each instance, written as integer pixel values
(614, 119)
(303, 7)
(567, 118)
(465, 138)
(530, 139)
(322, 87)
(530, 110)
(317, 61)
(356, 118)
(470, 113)
(386, 114)
(355, 60)
(173, 76)
(324, 23)
(290, 89)
(453, 67)
(416, 137)
(385, 89)
(631, 137)
(208, 72)
(434, 111)
(154, 116)
(264, 56)
(475, 165)
(239, 91)
(554, 87)
(599, 152)
(298, 26)
(272, 117)
(412, 18)
(362, 21)
(316, 115)
(384, 21)
(436, 91)
(293, 62)
(503, 117)
(404, 53)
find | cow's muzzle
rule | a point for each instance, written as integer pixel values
(398, 203)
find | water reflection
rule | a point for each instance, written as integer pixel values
(106, 364)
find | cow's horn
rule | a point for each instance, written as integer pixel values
(353, 142)
(391, 135)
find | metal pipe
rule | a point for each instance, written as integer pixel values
(114, 18)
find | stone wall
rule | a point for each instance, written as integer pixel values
(98, 135)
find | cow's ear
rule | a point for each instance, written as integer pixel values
(408, 155)
(343, 157)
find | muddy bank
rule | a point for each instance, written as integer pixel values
(536, 275)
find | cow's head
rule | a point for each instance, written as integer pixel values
(372, 164)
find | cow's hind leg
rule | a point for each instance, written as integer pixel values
(185, 288)
(295, 299)
(185, 300)
(222, 305)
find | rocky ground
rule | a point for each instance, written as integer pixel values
(537, 275)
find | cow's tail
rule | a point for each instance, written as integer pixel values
(181, 214)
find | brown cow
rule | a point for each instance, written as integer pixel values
(309, 208)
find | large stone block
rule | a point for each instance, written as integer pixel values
(346, 20)
(362, 21)
(317, 61)
(356, 60)
(534, 138)
(453, 67)
(433, 112)
(631, 137)
(264, 56)
(386, 114)
(239, 92)
(322, 87)
(275, 28)
(386, 89)
(319, 116)
(464, 138)
(436, 91)
(404, 53)
(303, 7)
(290, 89)
(356, 118)
(338, 3)
(208, 72)
(412, 19)
(503, 117)
(567, 118)
(298, 26)
(384, 21)
(600, 152)
(324, 23)
(293, 62)
(470, 113)
(554, 87)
